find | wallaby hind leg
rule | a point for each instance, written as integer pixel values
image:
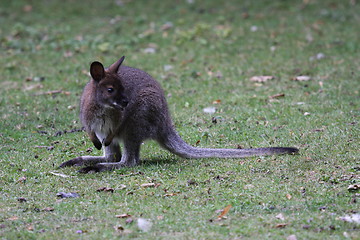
(129, 158)
(112, 154)
(131, 155)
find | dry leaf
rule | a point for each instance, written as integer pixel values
(261, 79)
(280, 216)
(354, 218)
(224, 212)
(170, 194)
(144, 225)
(59, 174)
(48, 209)
(281, 225)
(167, 26)
(125, 215)
(30, 227)
(33, 86)
(279, 95)
(119, 228)
(21, 180)
(288, 196)
(302, 78)
(291, 237)
(67, 195)
(147, 185)
(354, 187)
(21, 199)
(105, 189)
(149, 50)
(209, 110)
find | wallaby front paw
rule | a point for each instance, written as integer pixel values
(97, 144)
(107, 141)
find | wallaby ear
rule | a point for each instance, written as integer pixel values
(115, 66)
(97, 71)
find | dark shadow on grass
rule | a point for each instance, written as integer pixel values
(158, 160)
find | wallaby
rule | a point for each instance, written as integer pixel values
(126, 104)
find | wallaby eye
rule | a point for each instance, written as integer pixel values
(110, 90)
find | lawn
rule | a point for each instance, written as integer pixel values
(206, 55)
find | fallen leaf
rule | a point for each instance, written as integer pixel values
(280, 216)
(261, 79)
(144, 225)
(149, 50)
(191, 182)
(209, 110)
(253, 28)
(21, 180)
(105, 189)
(219, 75)
(353, 187)
(59, 174)
(21, 199)
(224, 212)
(119, 227)
(302, 78)
(168, 68)
(13, 218)
(124, 215)
(167, 26)
(288, 196)
(147, 185)
(291, 237)
(129, 220)
(281, 225)
(354, 218)
(33, 86)
(30, 227)
(67, 195)
(170, 194)
(279, 95)
(48, 209)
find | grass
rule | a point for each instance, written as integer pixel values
(213, 50)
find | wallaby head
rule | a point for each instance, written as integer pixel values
(109, 89)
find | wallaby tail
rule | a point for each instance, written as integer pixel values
(175, 144)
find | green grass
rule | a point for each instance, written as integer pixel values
(48, 45)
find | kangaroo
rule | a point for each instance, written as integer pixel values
(125, 104)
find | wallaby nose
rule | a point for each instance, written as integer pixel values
(124, 102)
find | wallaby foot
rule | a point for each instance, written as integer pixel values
(84, 160)
(101, 167)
